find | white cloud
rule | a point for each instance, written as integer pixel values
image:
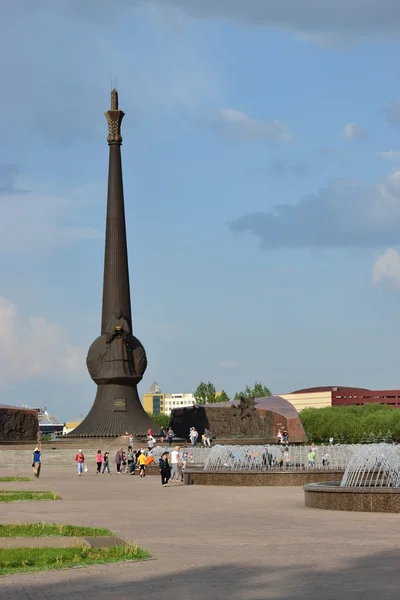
(390, 155)
(228, 364)
(352, 130)
(35, 347)
(42, 218)
(344, 214)
(239, 124)
(386, 268)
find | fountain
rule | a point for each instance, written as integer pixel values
(269, 464)
(370, 483)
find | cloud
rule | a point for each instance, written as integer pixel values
(390, 155)
(43, 218)
(386, 268)
(352, 130)
(346, 213)
(35, 347)
(228, 364)
(392, 112)
(378, 18)
(238, 124)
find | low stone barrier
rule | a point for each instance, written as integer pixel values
(259, 478)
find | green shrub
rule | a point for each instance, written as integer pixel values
(352, 424)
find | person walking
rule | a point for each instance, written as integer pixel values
(150, 442)
(80, 461)
(99, 461)
(36, 462)
(170, 435)
(207, 438)
(162, 434)
(131, 461)
(106, 463)
(118, 460)
(164, 469)
(175, 462)
(142, 464)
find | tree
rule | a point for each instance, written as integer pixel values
(205, 393)
(222, 397)
(160, 419)
(257, 391)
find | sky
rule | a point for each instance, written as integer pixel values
(261, 157)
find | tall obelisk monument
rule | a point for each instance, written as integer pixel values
(116, 360)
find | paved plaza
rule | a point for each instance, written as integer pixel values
(210, 543)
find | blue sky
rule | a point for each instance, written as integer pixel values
(261, 164)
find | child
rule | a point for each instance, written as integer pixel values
(142, 464)
(183, 463)
(164, 469)
(99, 461)
(105, 463)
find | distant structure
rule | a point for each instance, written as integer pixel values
(155, 401)
(116, 360)
(320, 397)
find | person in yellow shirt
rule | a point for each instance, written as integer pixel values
(142, 464)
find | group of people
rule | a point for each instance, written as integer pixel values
(172, 468)
(125, 462)
(282, 437)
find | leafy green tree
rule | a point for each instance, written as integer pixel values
(257, 391)
(222, 397)
(205, 393)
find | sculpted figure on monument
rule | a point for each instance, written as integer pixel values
(118, 351)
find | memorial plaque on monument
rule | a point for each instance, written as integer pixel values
(119, 404)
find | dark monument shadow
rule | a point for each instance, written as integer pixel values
(364, 578)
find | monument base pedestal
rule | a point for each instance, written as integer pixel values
(116, 411)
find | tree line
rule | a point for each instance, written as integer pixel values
(207, 394)
(370, 423)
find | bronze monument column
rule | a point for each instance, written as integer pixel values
(116, 360)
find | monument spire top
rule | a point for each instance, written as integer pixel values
(114, 99)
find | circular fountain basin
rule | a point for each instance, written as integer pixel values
(331, 496)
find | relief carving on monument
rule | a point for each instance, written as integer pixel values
(18, 424)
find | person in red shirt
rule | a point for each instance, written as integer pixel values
(80, 461)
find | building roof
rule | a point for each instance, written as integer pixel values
(329, 388)
(154, 388)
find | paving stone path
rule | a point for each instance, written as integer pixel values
(210, 543)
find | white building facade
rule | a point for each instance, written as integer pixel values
(178, 401)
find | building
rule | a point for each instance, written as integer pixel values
(155, 401)
(178, 401)
(320, 397)
(48, 423)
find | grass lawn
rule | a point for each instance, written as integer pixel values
(47, 530)
(23, 560)
(16, 495)
(15, 479)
